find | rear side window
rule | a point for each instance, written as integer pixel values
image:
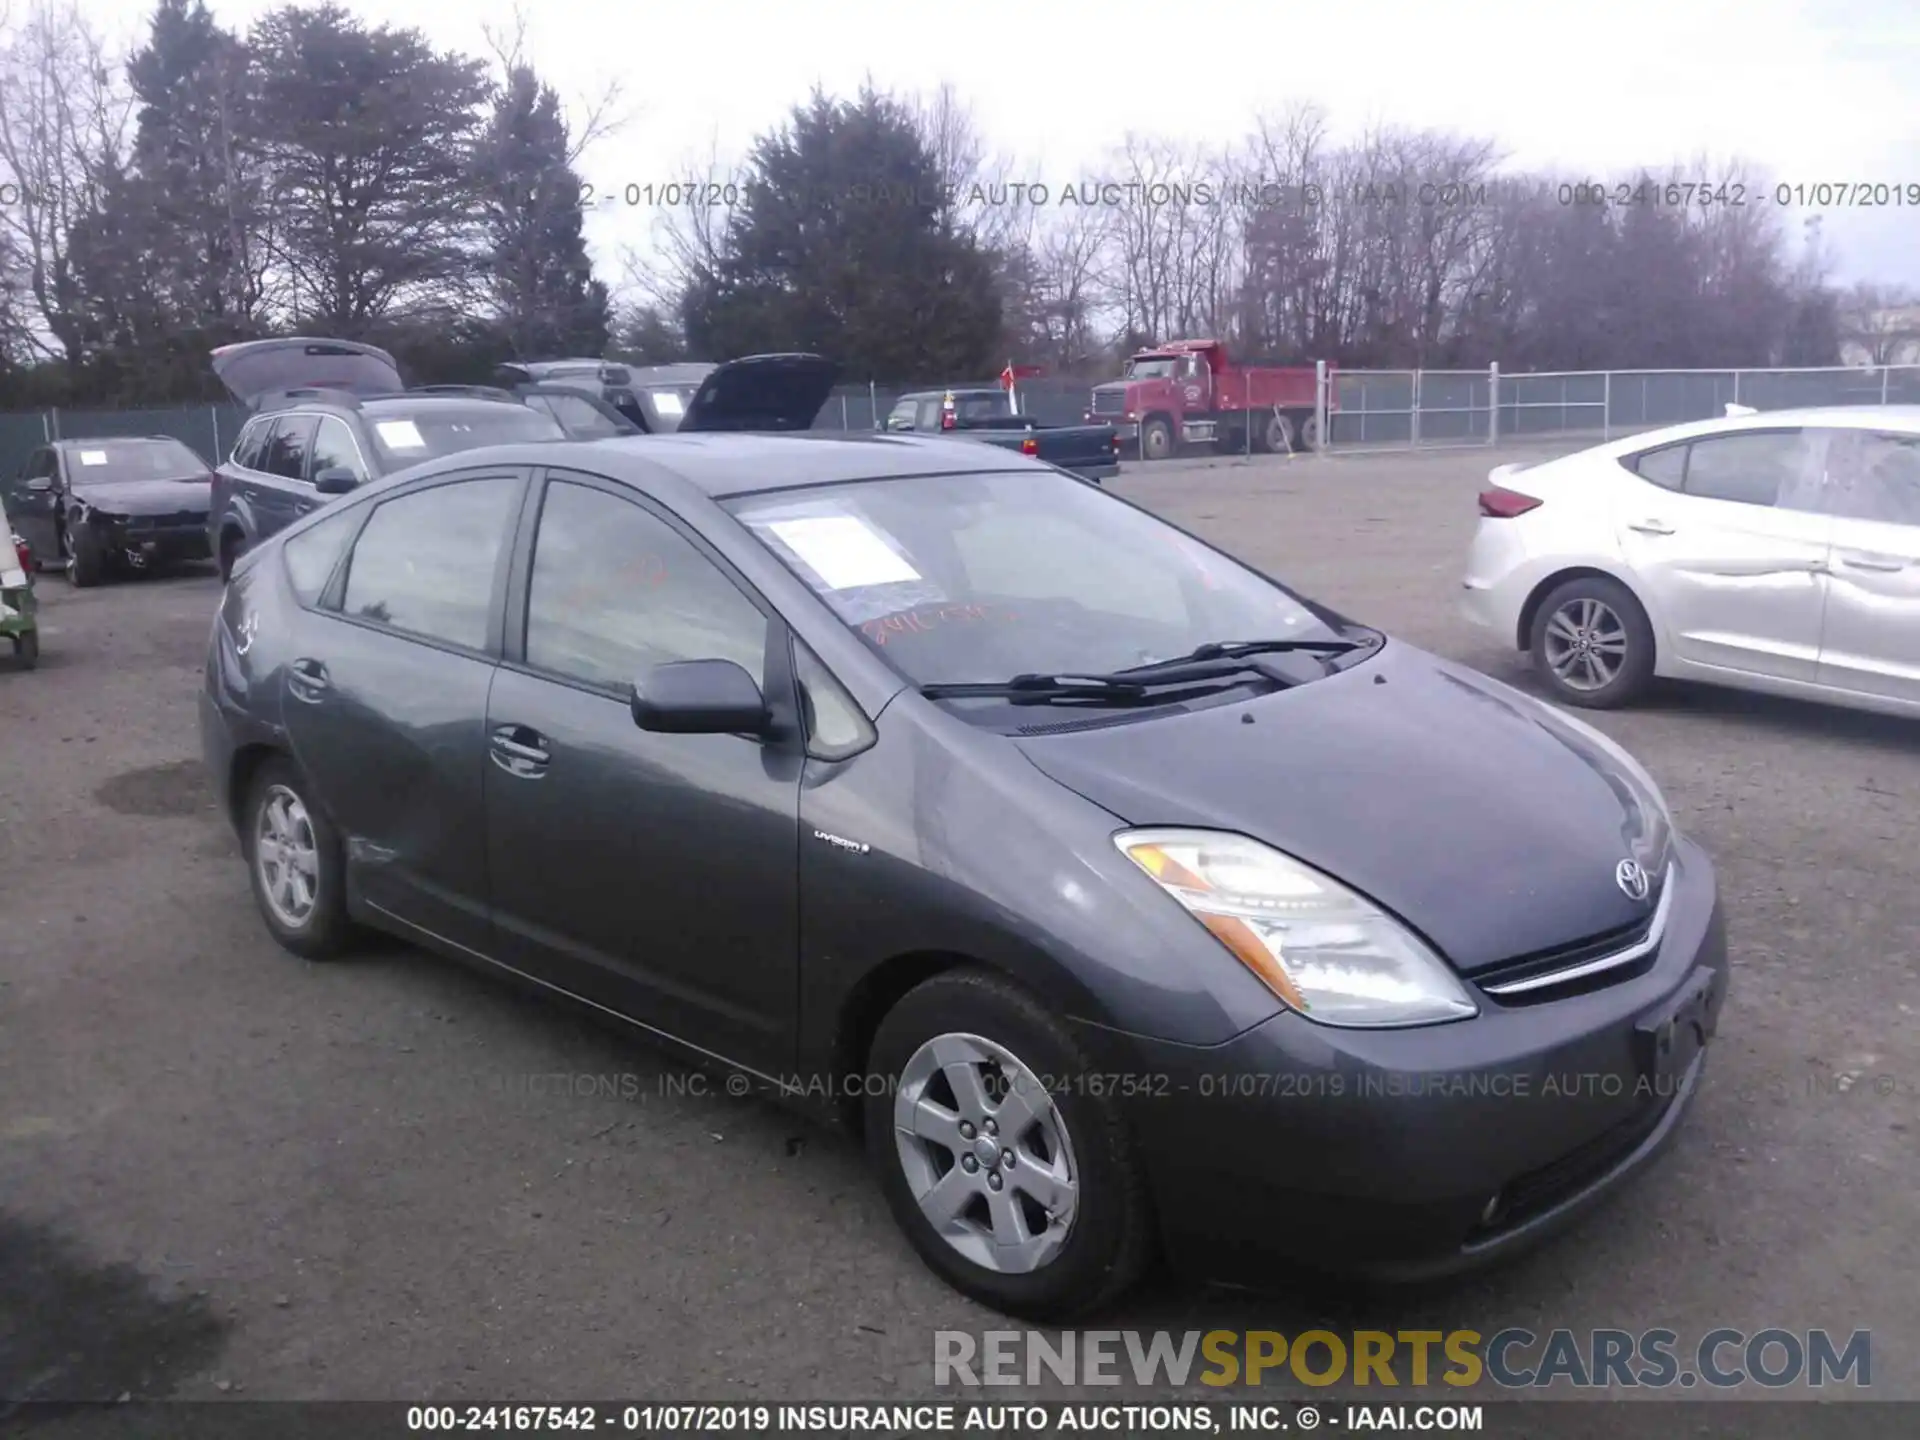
(424, 564)
(311, 554)
(1666, 468)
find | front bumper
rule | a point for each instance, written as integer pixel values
(145, 548)
(1407, 1154)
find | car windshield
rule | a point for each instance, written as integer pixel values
(1157, 369)
(95, 461)
(978, 578)
(670, 402)
(406, 437)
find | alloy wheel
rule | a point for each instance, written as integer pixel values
(986, 1153)
(287, 857)
(1586, 644)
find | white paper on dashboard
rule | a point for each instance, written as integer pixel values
(668, 403)
(400, 435)
(93, 457)
(844, 551)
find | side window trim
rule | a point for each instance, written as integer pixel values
(780, 685)
(333, 598)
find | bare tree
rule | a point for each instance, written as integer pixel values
(64, 115)
(1881, 322)
(687, 241)
(591, 118)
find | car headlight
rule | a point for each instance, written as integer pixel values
(1325, 951)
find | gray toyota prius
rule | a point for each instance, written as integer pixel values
(1124, 901)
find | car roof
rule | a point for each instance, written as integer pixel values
(1840, 417)
(95, 442)
(720, 464)
(403, 404)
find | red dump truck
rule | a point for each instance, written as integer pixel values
(1189, 392)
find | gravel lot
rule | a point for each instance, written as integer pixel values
(227, 1172)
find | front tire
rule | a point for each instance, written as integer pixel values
(294, 860)
(86, 562)
(1028, 1201)
(1156, 440)
(1593, 644)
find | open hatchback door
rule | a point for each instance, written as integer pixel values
(256, 370)
(762, 392)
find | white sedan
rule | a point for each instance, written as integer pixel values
(1776, 551)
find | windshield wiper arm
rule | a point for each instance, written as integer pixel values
(1122, 685)
(1215, 650)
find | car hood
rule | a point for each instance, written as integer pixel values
(1464, 807)
(762, 392)
(256, 369)
(146, 497)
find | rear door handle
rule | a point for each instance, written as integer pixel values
(1652, 527)
(520, 751)
(1880, 564)
(307, 679)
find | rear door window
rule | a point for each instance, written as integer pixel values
(1766, 467)
(249, 453)
(287, 448)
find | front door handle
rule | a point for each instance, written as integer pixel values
(520, 751)
(1652, 527)
(308, 681)
(1879, 564)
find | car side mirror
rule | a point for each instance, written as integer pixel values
(699, 697)
(40, 484)
(337, 481)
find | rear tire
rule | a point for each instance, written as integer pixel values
(86, 562)
(1156, 440)
(1276, 434)
(931, 1145)
(1307, 436)
(295, 863)
(1592, 643)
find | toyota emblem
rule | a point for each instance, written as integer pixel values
(1631, 878)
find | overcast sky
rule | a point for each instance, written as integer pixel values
(1813, 90)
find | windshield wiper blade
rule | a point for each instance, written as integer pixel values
(1215, 650)
(1038, 688)
(1121, 686)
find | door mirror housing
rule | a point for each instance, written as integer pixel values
(40, 484)
(336, 481)
(699, 697)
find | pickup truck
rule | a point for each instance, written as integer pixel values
(1089, 451)
(1190, 392)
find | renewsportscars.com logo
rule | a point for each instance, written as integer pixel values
(1514, 1359)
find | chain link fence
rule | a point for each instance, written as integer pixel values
(1375, 409)
(1367, 409)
